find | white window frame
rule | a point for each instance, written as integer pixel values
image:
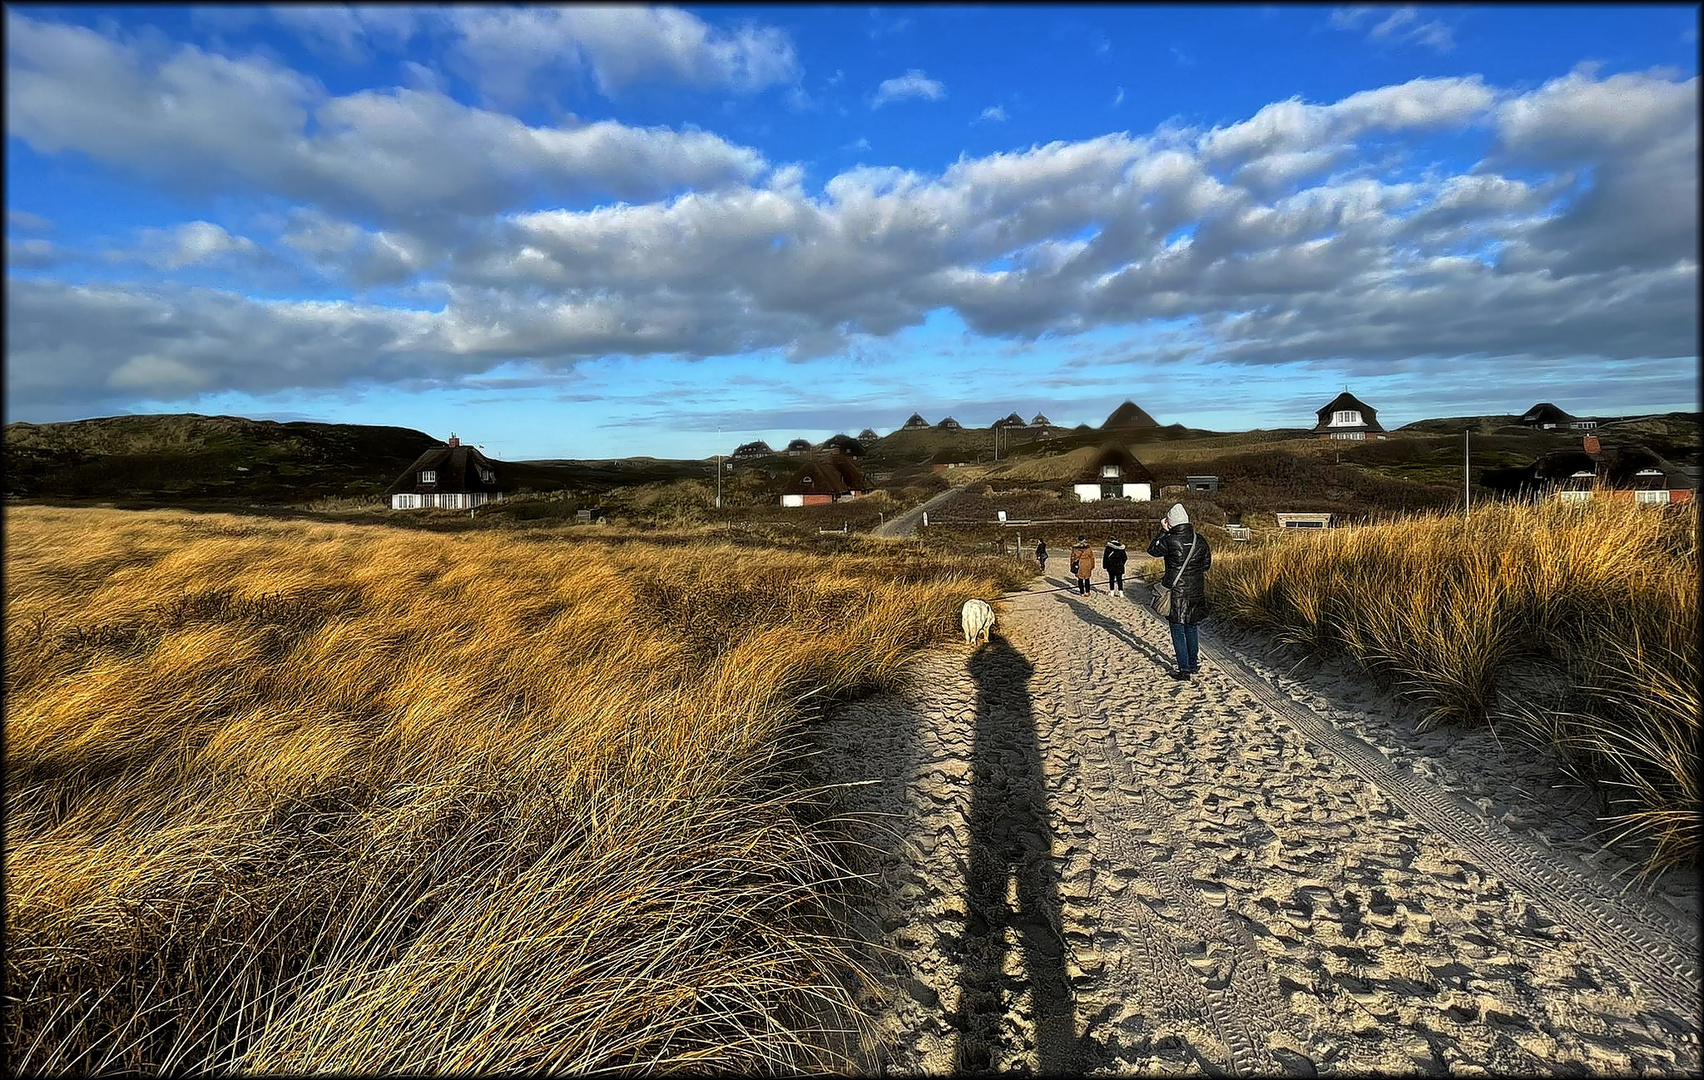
(428, 476)
(1111, 472)
(1659, 496)
(1346, 418)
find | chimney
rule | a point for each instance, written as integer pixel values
(457, 442)
(1592, 444)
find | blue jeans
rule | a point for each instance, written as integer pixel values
(1186, 642)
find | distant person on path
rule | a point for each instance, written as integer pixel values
(1113, 559)
(1177, 544)
(1041, 555)
(1082, 564)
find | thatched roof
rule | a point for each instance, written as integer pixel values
(1346, 400)
(1128, 416)
(1011, 420)
(845, 444)
(1544, 413)
(868, 435)
(456, 468)
(1131, 471)
(1614, 467)
(916, 421)
(949, 424)
(752, 449)
(799, 446)
(833, 474)
(1041, 420)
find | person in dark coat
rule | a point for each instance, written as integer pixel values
(1187, 582)
(1041, 555)
(1113, 559)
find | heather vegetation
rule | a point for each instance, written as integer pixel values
(302, 797)
(1574, 624)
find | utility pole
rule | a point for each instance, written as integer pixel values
(718, 468)
(1466, 481)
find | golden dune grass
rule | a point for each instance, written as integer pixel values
(297, 798)
(1603, 594)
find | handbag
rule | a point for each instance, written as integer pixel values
(1163, 592)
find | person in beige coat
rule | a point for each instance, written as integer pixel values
(1083, 565)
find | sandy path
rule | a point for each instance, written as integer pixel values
(1092, 868)
(906, 524)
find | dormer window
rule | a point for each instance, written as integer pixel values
(487, 475)
(428, 476)
(1110, 472)
(1346, 418)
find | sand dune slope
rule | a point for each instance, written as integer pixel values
(1089, 867)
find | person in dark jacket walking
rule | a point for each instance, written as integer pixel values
(1113, 559)
(1041, 555)
(1187, 560)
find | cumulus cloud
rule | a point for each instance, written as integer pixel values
(506, 49)
(993, 113)
(913, 84)
(208, 123)
(23, 219)
(190, 244)
(1276, 239)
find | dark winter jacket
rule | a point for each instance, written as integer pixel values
(1113, 559)
(1189, 596)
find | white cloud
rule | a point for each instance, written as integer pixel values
(1398, 26)
(191, 244)
(23, 219)
(204, 122)
(913, 84)
(994, 113)
(506, 49)
(1118, 98)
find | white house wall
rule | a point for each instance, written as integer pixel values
(792, 500)
(1087, 492)
(444, 500)
(1139, 492)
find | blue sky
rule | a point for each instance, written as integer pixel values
(609, 232)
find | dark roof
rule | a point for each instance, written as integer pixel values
(948, 424)
(1129, 415)
(833, 474)
(1346, 400)
(1544, 413)
(846, 444)
(752, 449)
(1613, 467)
(798, 444)
(868, 434)
(457, 468)
(1133, 471)
(916, 421)
(1011, 420)
(1040, 420)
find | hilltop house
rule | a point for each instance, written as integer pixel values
(1114, 473)
(1624, 472)
(751, 450)
(844, 444)
(451, 476)
(1129, 417)
(798, 447)
(826, 480)
(915, 423)
(1348, 417)
(1547, 417)
(868, 435)
(949, 424)
(1041, 420)
(1011, 420)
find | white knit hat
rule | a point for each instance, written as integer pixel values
(1176, 516)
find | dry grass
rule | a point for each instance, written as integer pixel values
(1460, 614)
(291, 797)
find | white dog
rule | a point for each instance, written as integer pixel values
(978, 620)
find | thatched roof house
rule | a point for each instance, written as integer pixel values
(845, 444)
(1114, 473)
(1635, 472)
(1041, 420)
(452, 476)
(868, 435)
(799, 446)
(949, 424)
(825, 480)
(1546, 417)
(758, 448)
(1011, 420)
(1128, 417)
(915, 422)
(1348, 417)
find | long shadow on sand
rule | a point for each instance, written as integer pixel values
(1094, 618)
(1011, 880)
